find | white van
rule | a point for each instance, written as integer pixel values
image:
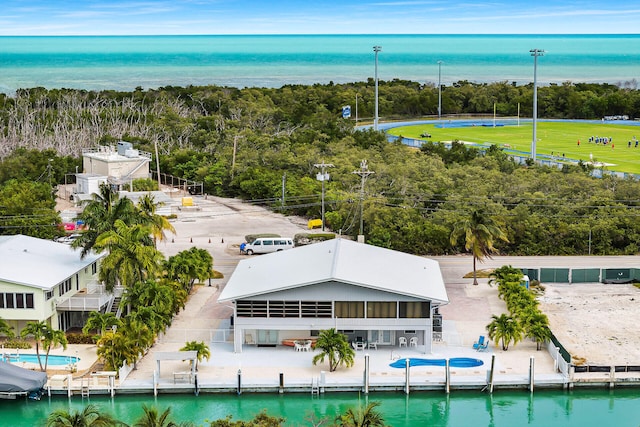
(265, 245)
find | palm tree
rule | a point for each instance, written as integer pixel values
(131, 258)
(367, 416)
(151, 418)
(5, 328)
(335, 347)
(536, 326)
(100, 215)
(200, 347)
(100, 322)
(53, 338)
(90, 416)
(116, 347)
(158, 223)
(505, 273)
(37, 330)
(479, 231)
(505, 329)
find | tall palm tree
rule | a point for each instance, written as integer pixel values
(131, 258)
(90, 416)
(480, 231)
(100, 214)
(334, 346)
(200, 347)
(100, 322)
(505, 329)
(367, 416)
(37, 330)
(157, 223)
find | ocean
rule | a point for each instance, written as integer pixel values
(127, 62)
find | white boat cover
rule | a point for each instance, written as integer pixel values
(14, 379)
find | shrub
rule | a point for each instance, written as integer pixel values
(19, 343)
(82, 338)
(302, 239)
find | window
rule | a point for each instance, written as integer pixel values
(350, 309)
(414, 310)
(16, 300)
(64, 287)
(382, 310)
(48, 295)
(94, 268)
(315, 309)
(268, 242)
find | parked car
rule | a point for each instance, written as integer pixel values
(265, 245)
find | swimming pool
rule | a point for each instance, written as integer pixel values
(454, 362)
(54, 360)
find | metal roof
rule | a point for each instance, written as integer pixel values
(337, 260)
(39, 263)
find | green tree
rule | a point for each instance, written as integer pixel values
(480, 231)
(506, 329)
(28, 208)
(200, 347)
(260, 420)
(130, 258)
(6, 329)
(37, 330)
(335, 348)
(152, 418)
(53, 338)
(100, 322)
(362, 416)
(100, 215)
(535, 325)
(188, 266)
(90, 416)
(157, 223)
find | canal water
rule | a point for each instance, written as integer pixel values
(502, 408)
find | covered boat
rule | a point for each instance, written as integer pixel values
(16, 381)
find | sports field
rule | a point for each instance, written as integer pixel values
(557, 139)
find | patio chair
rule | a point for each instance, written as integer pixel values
(298, 346)
(483, 347)
(307, 345)
(402, 342)
(479, 343)
(413, 342)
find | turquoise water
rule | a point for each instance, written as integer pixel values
(459, 409)
(33, 358)
(454, 362)
(125, 62)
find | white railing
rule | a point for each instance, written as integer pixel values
(84, 303)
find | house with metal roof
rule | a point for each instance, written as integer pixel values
(375, 296)
(42, 280)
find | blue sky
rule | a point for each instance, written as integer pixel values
(118, 17)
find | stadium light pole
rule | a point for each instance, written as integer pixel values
(376, 49)
(535, 53)
(439, 90)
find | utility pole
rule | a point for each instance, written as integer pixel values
(284, 186)
(363, 173)
(322, 177)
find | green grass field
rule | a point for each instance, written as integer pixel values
(555, 138)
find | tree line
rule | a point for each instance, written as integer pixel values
(261, 145)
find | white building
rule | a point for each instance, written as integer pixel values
(371, 294)
(41, 280)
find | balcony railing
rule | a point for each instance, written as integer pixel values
(86, 302)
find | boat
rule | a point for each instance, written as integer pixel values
(16, 381)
